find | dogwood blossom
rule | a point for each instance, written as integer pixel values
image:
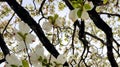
(85, 15)
(37, 56)
(73, 15)
(22, 35)
(13, 60)
(59, 21)
(57, 62)
(47, 26)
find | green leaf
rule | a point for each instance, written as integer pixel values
(80, 1)
(51, 19)
(14, 66)
(55, 16)
(21, 35)
(25, 63)
(105, 1)
(40, 59)
(79, 13)
(44, 62)
(75, 4)
(87, 6)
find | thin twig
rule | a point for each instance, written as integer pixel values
(8, 23)
(34, 4)
(27, 53)
(109, 14)
(40, 9)
(95, 37)
(116, 42)
(73, 35)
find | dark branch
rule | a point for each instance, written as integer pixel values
(109, 14)
(82, 38)
(8, 23)
(73, 35)
(68, 4)
(2, 60)
(25, 16)
(97, 2)
(4, 48)
(40, 9)
(95, 37)
(2, 0)
(103, 26)
(109, 36)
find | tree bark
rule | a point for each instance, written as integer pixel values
(4, 48)
(109, 36)
(104, 27)
(25, 16)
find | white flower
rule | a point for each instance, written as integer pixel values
(37, 65)
(57, 62)
(73, 15)
(59, 21)
(23, 34)
(91, 5)
(30, 38)
(84, 15)
(17, 36)
(7, 65)
(47, 26)
(13, 60)
(61, 59)
(24, 28)
(20, 46)
(39, 50)
(35, 56)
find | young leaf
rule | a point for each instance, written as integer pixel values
(25, 63)
(87, 6)
(79, 13)
(105, 1)
(22, 35)
(80, 1)
(51, 19)
(55, 16)
(14, 66)
(75, 4)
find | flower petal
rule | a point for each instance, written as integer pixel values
(47, 26)
(39, 50)
(24, 28)
(30, 38)
(17, 36)
(20, 46)
(59, 21)
(61, 59)
(73, 15)
(84, 15)
(12, 59)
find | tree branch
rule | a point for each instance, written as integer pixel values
(109, 14)
(25, 16)
(40, 9)
(4, 48)
(8, 23)
(103, 26)
(109, 36)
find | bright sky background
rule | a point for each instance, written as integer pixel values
(61, 13)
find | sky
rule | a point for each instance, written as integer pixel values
(62, 13)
